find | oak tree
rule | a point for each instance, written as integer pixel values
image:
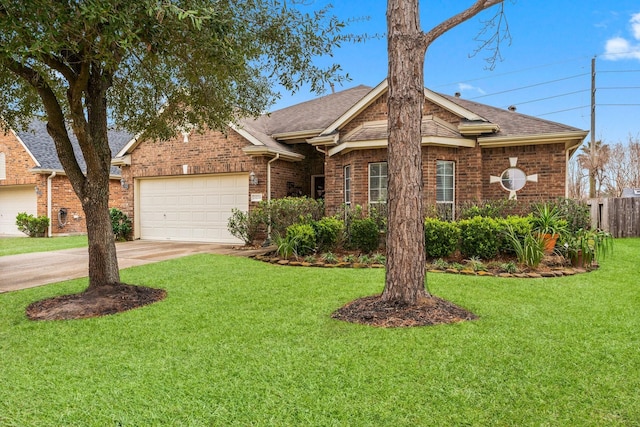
(150, 67)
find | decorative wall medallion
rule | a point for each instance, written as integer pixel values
(513, 179)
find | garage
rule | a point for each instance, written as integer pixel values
(13, 200)
(190, 209)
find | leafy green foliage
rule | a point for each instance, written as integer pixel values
(576, 213)
(120, 224)
(31, 225)
(302, 238)
(529, 249)
(500, 208)
(328, 231)
(364, 235)
(441, 237)
(244, 225)
(521, 226)
(287, 211)
(479, 237)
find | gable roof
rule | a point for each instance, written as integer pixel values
(299, 122)
(39, 143)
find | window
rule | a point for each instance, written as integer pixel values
(445, 189)
(347, 185)
(378, 182)
(3, 167)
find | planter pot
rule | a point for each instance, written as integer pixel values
(549, 242)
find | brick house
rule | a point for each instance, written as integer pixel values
(32, 180)
(335, 147)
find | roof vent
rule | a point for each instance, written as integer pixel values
(512, 108)
(457, 94)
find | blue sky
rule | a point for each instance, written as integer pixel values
(545, 71)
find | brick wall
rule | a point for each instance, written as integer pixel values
(18, 161)
(215, 152)
(474, 167)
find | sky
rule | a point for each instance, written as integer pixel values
(545, 69)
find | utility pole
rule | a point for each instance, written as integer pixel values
(592, 146)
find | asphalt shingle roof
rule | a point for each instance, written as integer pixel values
(512, 123)
(41, 145)
(316, 114)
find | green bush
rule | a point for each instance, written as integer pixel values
(440, 237)
(245, 226)
(529, 249)
(288, 211)
(364, 235)
(32, 226)
(479, 237)
(121, 224)
(521, 226)
(328, 232)
(499, 208)
(576, 213)
(302, 238)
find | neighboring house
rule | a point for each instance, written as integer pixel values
(335, 147)
(631, 192)
(32, 180)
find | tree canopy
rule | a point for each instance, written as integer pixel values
(166, 64)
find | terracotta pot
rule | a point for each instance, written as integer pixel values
(549, 242)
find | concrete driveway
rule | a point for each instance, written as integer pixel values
(41, 268)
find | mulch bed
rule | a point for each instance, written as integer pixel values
(427, 311)
(95, 302)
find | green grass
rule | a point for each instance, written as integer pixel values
(240, 342)
(22, 245)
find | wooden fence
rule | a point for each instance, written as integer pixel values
(619, 216)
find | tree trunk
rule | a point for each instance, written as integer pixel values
(93, 188)
(405, 278)
(103, 262)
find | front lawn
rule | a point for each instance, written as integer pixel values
(241, 342)
(23, 245)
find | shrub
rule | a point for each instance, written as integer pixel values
(245, 226)
(529, 250)
(288, 211)
(120, 224)
(576, 213)
(479, 237)
(520, 225)
(364, 235)
(489, 208)
(32, 226)
(302, 239)
(328, 232)
(440, 237)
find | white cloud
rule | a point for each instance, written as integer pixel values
(618, 48)
(467, 87)
(635, 26)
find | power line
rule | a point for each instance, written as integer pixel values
(551, 97)
(530, 86)
(513, 72)
(562, 111)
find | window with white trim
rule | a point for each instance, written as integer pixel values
(445, 188)
(3, 166)
(347, 185)
(378, 182)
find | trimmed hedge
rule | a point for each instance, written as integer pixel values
(440, 237)
(480, 237)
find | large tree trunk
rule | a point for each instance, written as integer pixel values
(93, 188)
(405, 279)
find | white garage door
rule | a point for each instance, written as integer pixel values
(194, 209)
(14, 200)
